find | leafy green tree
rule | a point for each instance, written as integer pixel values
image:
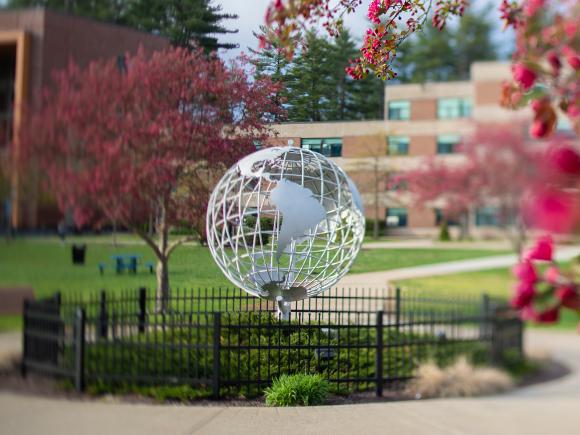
(184, 22)
(434, 55)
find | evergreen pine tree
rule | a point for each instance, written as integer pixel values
(184, 22)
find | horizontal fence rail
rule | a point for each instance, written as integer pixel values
(224, 342)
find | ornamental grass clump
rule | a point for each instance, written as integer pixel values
(297, 390)
(461, 379)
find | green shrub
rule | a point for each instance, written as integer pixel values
(266, 227)
(370, 225)
(444, 235)
(297, 390)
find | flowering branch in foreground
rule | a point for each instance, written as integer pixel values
(545, 65)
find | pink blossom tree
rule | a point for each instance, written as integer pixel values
(497, 168)
(150, 139)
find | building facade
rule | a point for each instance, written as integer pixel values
(421, 120)
(34, 43)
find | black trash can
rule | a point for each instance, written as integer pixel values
(78, 253)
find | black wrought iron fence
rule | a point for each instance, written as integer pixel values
(224, 342)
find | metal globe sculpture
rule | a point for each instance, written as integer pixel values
(285, 224)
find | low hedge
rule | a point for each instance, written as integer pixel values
(138, 364)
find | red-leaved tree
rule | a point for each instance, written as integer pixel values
(497, 169)
(449, 186)
(148, 139)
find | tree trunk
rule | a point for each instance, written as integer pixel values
(376, 192)
(163, 263)
(115, 243)
(464, 219)
(519, 237)
(162, 284)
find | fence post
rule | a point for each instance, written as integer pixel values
(24, 337)
(520, 343)
(217, 321)
(484, 326)
(79, 340)
(142, 309)
(58, 301)
(379, 355)
(103, 315)
(398, 309)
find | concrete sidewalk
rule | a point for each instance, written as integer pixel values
(551, 408)
(382, 278)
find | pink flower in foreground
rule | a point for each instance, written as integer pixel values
(525, 272)
(552, 275)
(523, 295)
(551, 315)
(553, 210)
(554, 62)
(525, 76)
(565, 159)
(542, 250)
(539, 129)
(533, 6)
(571, 57)
(569, 297)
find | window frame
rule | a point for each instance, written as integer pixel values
(333, 145)
(392, 138)
(463, 107)
(453, 144)
(398, 110)
(405, 217)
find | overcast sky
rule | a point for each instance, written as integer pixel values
(251, 15)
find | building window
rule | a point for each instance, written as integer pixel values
(452, 108)
(447, 143)
(396, 217)
(399, 110)
(329, 147)
(398, 145)
(486, 217)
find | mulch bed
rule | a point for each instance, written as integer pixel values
(12, 381)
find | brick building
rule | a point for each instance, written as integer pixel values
(420, 120)
(34, 43)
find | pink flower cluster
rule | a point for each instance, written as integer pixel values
(553, 202)
(540, 297)
(444, 8)
(546, 37)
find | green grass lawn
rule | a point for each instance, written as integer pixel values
(495, 282)
(374, 260)
(45, 265)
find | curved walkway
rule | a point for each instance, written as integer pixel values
(380, 279)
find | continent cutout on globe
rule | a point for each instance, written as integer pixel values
(301, 212)
(246, 165)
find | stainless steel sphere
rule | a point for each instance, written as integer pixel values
(285, 224)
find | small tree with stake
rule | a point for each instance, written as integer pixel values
(123, 144)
